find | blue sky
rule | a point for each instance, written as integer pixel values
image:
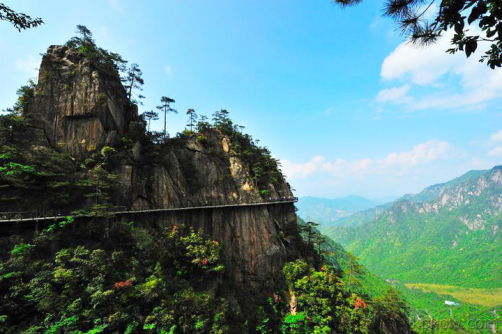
(337, 95)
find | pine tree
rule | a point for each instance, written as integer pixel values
(150, 116)
(192, 118)
(109, 63)
(203, 123)
(134, 81)
(220, 117)
(166, 108)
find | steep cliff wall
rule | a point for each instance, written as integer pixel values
(256, 241)
(78, 109)
(77, 106)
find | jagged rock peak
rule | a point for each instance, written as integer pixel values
(76, 105)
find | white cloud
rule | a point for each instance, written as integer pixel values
(344, 166)
(395, 94)
(410, 170)
(461, 83)
(495, 153)
(496, 137)
(29, 65)
(421, 154)
(169, 70)
(422, 66)
(396, 162)
(328, 111)
(293, 169)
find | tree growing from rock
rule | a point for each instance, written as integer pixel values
(192, 118)
(150, 116)
(463, 16)
(166, 108)
(134, 81)
(220, 117)
(20, 21)
(108, 62)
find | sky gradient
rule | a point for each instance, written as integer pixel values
(336, 95)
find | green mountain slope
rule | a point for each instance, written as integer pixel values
(444, 243)
(448, 234)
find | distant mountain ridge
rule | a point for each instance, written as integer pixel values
(331, 212)
(450, 233)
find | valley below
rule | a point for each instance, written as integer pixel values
(441, 248)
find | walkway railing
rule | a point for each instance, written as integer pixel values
(59, 215)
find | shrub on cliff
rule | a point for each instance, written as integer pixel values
(108, 62)
(139, 280)
(314, 301)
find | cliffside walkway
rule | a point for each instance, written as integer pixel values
(60, 215)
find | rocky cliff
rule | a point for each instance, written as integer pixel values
(79, 109)
(257, 241)
(77, 106)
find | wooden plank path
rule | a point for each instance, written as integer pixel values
(55, 215)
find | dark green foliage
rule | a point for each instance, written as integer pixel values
(40, 174)
(138, 281)
(10, 125)
(263, 168)
(108, 63)
(312, 301)
(133, 80)
(192, 119)
(203, 124)
(166, 108)
(150, 116)
(19, 20)
(390, 313)
(459, 15)
(24, 95)
(47, 177)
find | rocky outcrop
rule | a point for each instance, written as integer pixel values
(79, 108)
(76, 106)
(256, 241)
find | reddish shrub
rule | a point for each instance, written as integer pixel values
(175, 227)
(360, 303)
(122, 285)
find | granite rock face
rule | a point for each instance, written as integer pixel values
(76, 106)
(256, 240)
(79, 109)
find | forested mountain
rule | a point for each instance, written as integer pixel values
(446, 240)
(437, 235)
